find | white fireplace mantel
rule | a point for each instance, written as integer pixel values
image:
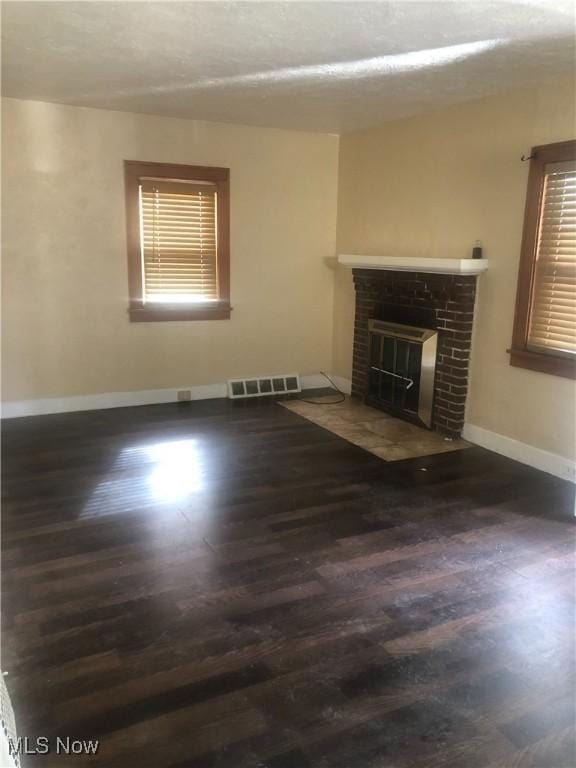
(416, 264)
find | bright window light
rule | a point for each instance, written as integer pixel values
(179, 298)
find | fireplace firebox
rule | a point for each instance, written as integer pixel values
(402, 362)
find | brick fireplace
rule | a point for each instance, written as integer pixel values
(443, 302)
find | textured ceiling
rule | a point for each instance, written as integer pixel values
(320, 66)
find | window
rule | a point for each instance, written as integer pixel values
(544, 336)
(178, 241)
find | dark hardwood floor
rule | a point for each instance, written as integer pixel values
(227, 585)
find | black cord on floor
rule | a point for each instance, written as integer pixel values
(341, 395)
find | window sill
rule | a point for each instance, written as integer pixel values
(175, 312)
(545, 363)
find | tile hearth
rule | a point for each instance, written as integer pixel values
(385, 436)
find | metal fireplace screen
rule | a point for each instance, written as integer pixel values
(402, 362)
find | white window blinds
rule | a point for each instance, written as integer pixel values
(178, 241)
(552, 324)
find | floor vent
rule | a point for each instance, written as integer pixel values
(264, 385)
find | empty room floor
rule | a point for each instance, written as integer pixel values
(228, 585)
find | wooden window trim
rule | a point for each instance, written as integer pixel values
(139, 310)
(520, 355)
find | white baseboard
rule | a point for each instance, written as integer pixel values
(42, 406)
(47, 405)
(344, 385)
(320, 381)
(522, 452)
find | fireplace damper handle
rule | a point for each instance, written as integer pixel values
(396, 376)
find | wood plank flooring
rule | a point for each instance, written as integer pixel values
(227, 585)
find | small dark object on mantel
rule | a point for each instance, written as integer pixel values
(477, 250)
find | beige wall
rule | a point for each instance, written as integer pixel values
(66, 329)
(432, 185)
